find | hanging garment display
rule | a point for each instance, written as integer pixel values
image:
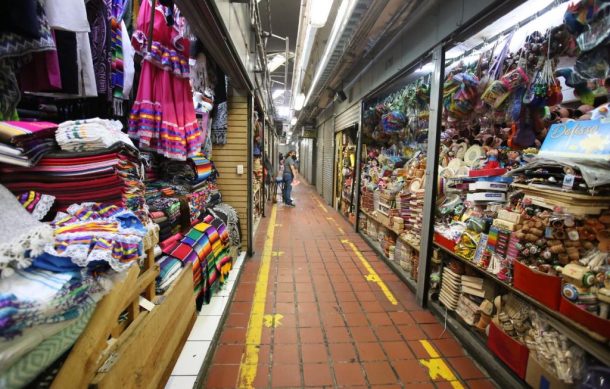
(163, 117)
(220, 113)
(14, 46)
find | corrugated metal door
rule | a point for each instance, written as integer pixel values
(348, 117)
(319, 158)
(305, 158)
(308, 162)
(329, 153)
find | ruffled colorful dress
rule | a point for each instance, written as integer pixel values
(163, 116)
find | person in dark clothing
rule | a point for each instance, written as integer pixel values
(290, 172)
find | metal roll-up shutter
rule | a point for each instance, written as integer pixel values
(348, 118)
(310, 177)
(307, 162)
(319, 158)
(329, 153)
(305, 159)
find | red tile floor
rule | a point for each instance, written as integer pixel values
(337, 329)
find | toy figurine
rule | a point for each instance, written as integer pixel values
(513, 159)
(492, 158)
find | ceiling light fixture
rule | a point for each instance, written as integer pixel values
(343, 14)
(283, 111)
(298, 101)
(293, 121)
(318, 11)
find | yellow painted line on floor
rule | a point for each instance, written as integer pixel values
(437, 367)
(336, 225)
(249, 362)
(372, 276)
(319, 203)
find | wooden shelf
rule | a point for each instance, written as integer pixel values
(397, 232)
(399, 271)
(476, 346)
(575, 332)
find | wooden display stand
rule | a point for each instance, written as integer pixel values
(139, 352)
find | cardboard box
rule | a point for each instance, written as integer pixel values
(540, 378)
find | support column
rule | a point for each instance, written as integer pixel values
(434, 132)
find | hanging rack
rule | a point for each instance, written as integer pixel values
(499, 35)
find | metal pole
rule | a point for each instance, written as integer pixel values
(286, 69)
(263, 156)
(357, 173)
(434, 133)
(151, 26)
(250, 176)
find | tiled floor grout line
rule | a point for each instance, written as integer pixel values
(325, 277)
(322, 326)
(355, 263)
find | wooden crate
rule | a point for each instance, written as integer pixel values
(109, 354)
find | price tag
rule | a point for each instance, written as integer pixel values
(568, 181)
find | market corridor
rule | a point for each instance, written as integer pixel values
(316, 307)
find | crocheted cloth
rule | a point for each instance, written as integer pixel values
(91, 232)
(23, 237)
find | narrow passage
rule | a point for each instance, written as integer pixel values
(316, 307)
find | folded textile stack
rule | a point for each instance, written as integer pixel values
(91, 233)
(90, 134)
(169, 270)
(32, 296)
(25, 143)
(164, 209)
(151, 166)
(25, 357)
(105, 176)
(204, 168)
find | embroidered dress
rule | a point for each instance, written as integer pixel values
(163, 116)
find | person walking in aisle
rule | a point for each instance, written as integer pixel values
(290, 173)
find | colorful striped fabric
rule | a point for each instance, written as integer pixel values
(208, 254)
(37, 204)
(91, 232)
(104, 176)
(204, 168)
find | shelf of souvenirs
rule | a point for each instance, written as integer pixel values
(400, 233)
(594, 343)
(475, 343)
(396, 268)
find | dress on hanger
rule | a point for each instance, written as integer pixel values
(163, 116)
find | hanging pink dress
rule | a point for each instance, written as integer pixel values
(163, 118)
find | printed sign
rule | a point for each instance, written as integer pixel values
(585, 139)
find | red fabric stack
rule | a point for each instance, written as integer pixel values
(105, 176)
